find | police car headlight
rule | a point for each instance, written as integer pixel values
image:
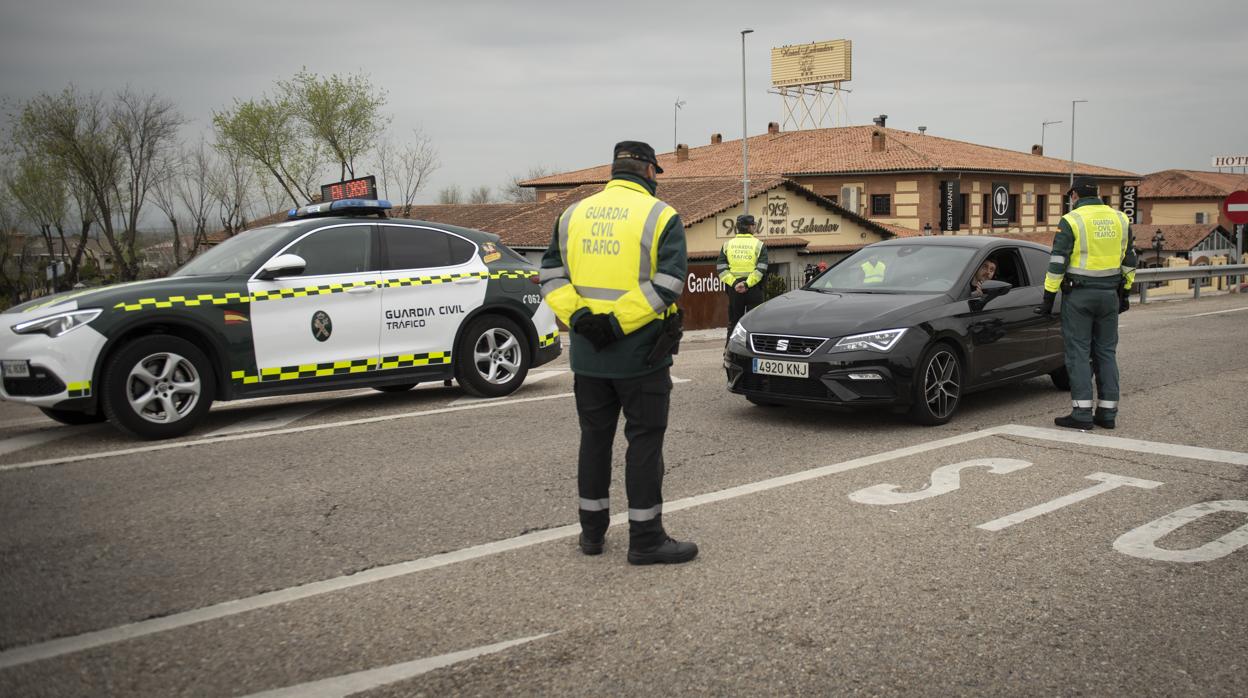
(884, 340)
(59, 324)
(738, 336)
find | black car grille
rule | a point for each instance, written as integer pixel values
(781, 385)
(785, 345)
(38, 385)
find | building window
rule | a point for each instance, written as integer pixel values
(1013, 208)
(1042, 208)
(964, 200)
(985, 210)
(834, 198)
(881, 204)
(1201, 217)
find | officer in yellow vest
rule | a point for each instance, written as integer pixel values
(872, 270)
(742, 264)
(614, 269)
(1093, 264)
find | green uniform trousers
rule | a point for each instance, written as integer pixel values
(1090, 334)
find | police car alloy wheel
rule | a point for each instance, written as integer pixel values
(493, 357)
(158, 386)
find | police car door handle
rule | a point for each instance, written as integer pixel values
(362, 289)
(467, 280)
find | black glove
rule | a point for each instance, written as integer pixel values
(1046, 304)
(596, 327)
(1124, 300)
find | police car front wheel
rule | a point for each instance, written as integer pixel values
(493, 357)
(158, 387)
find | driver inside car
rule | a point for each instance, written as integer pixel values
(986, 271)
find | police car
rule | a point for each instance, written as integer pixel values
(339, 296)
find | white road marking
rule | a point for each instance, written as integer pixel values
(676, 380)
(1142, 542)
(945, 479)
(274, 419)
(36, 422)
(1109, 482)
(14, 444)
(528, 380)
(1216, 312)
(98, 638)
(347, 684)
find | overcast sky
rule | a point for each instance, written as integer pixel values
(503, 86)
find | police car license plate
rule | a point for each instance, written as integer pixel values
(790, 369)
(15, 369)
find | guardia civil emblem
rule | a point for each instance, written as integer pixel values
(322, 326)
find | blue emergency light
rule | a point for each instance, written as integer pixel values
(340, 207)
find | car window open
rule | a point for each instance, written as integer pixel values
(340, 250)
(898, 269)
(236, 254)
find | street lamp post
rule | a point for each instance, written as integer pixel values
(927, 228)
(1073, 102)
(1043, 126)
(1159, 239)
(745, 147)
(675, 110)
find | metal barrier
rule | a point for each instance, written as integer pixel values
(1234, 272)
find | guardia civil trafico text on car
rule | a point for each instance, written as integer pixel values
(338, 296)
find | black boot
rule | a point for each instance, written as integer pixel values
(590, 545)
(668, 552)
(1071, 423)
(1102, 421)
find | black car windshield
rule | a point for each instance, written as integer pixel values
(897, 269)
(234, 255)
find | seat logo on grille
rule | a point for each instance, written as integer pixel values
(782, 345)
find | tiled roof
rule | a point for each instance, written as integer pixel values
(1179, 237)
(903, 232)
(1190, 184)
(828, 249)
(841, 151)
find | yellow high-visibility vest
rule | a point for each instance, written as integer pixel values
(742, 253)
(872, 273)
(1100, 240)
(610, 247)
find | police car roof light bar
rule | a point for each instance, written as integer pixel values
(342, 207)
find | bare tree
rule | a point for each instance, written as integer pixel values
(417, 162)
(146, 127)
(512, 191)
(168, 179)
(384, 162)
(480, 195)
(194, 192)
(451, 195)
(230, 182)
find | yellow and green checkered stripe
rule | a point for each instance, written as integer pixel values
(324, 289)
(79, 389)
(548, 340)
(339, 368)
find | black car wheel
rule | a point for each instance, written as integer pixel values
(493, 357)
(73, 417)
(1060, 378)
(937, 386)
(395, 388)
(158, 387)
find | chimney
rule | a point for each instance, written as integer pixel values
(922, 130)
(879, 120)
(1037, 150)
(717, 138)
(877, 141)
(682, 152)
(773, 127)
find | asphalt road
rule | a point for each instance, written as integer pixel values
(423, 544)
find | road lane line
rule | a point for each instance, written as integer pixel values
(529, 380)
(275, 419)
(276, 432)
(1216, 312)
(1109, 482)
(98, 638)
(14, 444)
(348, 684)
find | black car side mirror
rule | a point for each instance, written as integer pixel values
(992, 288)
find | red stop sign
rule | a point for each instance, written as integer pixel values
(1236, 207)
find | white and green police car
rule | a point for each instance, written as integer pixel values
(339, 296)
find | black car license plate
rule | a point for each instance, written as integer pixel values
(789, 369)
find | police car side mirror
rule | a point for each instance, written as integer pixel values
(282, 265)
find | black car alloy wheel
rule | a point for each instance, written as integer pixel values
(939, 386)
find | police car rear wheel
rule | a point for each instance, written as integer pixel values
(73, 417)
(493, 357)
(158, 387)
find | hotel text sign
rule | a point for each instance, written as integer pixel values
(1218, 160)
(812, 64)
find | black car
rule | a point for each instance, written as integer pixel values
(917, 334)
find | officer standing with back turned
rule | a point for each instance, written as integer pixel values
(1093, 264)
(613, 271)
(741, 265)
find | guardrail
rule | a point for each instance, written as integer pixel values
(1234, 271)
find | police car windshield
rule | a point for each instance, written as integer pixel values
(897, 269)
(234, 255)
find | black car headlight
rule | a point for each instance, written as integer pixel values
(59, 324)
(883, 340)
(738, 337)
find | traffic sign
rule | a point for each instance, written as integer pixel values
(1236, 207)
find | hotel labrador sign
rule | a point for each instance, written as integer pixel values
(778, 219)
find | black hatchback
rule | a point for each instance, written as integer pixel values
(910, 324)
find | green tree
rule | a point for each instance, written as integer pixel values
(266, 132)
(343, 113)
